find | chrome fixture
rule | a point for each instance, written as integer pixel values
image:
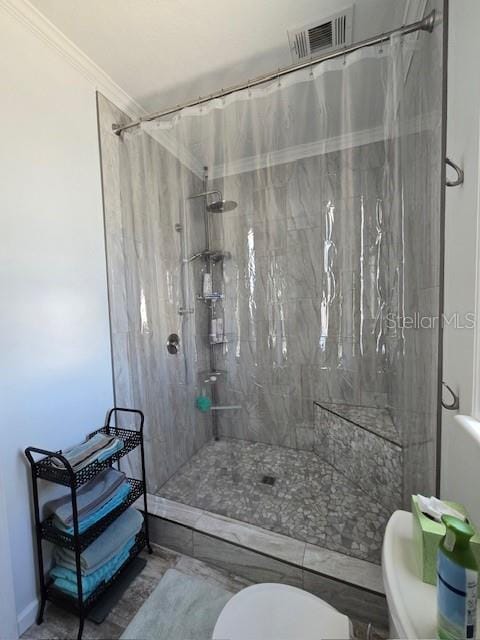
(220, 206)
(426, 24)
(210, 254)
(184, 311)
(460, 174)
(173, 344)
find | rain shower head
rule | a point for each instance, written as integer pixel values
(220, 206)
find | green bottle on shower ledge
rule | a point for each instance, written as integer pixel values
(457, 578)
(203, 403)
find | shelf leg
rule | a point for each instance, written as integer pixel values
(80, 628)
(76, 534)
(41, 611)
(38, 537)
(147, 535)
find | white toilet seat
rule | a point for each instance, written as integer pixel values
(279, 612)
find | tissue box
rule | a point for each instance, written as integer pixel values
(427, 535)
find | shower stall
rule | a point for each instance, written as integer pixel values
(274, 268)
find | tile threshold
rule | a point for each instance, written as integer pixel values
(309, 557)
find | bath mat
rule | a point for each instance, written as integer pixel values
(182, 607)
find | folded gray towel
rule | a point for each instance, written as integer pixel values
(105, 546)
(90, 497)
(79, 454)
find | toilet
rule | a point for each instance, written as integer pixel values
(279, 612)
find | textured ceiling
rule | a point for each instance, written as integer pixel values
(162, 52)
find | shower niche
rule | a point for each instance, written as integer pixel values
(286, 269)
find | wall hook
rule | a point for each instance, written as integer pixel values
(453, 406)
(460, 174)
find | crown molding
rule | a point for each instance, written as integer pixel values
(25, 13)
(321, 147)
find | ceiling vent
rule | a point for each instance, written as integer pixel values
(321, 36)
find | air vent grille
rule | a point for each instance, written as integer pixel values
(322, 36)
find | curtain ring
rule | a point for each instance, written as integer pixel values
(278, 78)
(311, 70)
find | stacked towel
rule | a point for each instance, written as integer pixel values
(101, 560)
(100, 447)
(91, 496)
(120, 495)
(66, 580)
(106, 546)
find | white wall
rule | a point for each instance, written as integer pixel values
(461, 254)
(8, 617)
(55, 368)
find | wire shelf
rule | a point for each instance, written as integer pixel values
(62, 473)
(46, 470)
(51, 533)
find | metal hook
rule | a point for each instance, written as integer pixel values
(453, 406)
(460, 174)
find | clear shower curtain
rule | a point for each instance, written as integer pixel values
(324, 250)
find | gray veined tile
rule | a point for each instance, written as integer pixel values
(337, 565)
(254, 538)
(248, 564)
(176, 511)
(352, 601)
(172, 535)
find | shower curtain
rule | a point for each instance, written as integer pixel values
(336, 172)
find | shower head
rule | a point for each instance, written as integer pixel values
(210, 254)
(220, 206)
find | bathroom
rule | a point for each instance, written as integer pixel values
(272, 255)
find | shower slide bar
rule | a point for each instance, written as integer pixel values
(426, 24)
(228, 407)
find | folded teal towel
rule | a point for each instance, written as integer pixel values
(107, 452)
(66, 580)
(106, 546)
(117, 499)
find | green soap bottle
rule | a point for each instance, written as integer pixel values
(457, 580)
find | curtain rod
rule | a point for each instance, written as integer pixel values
(426, 24)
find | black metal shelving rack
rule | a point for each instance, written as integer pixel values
(44, 469)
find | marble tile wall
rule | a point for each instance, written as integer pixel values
(413, 352)
(144, 188)
(302, 293)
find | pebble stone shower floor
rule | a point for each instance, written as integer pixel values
(309, 500)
